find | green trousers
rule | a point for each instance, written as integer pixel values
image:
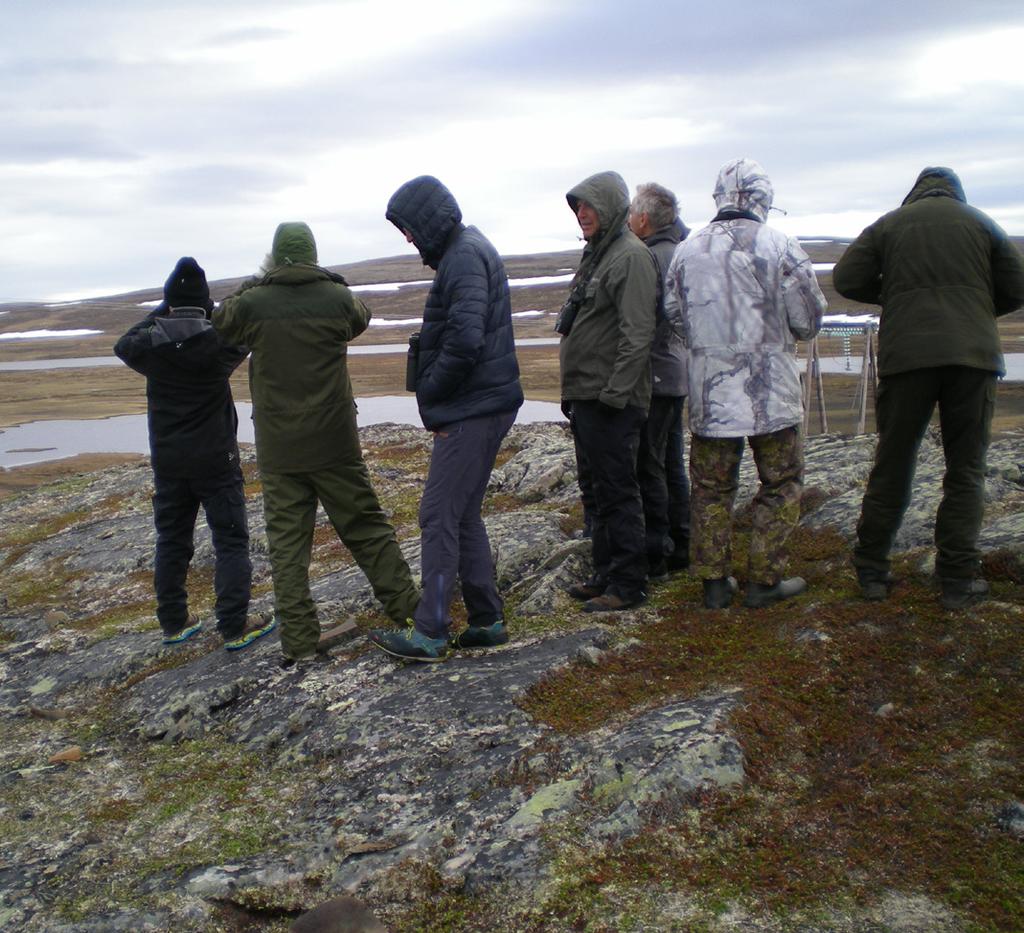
(344, 490)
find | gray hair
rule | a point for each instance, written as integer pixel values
(657, 202)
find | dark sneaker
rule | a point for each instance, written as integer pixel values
(192, 627)
(760, 595)
(254, 628)
(482, 636)
(410, 645)
(718, 592)
(609, 602)
(960, 593)
(588, 590)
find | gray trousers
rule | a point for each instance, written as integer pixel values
(454, 543)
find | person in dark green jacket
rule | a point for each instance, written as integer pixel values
(607, 327)
(297, 319)
(943, 272)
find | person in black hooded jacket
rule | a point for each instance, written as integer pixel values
(468, 393)
(194, 452)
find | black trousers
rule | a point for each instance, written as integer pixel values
(966, 399)
(176, 502)
(606, 448)
(677, 480)
(652, 474)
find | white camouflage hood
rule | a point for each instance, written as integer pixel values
(743, 186)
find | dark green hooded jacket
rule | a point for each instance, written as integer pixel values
(942, 272)
(607, 354)
(297, 320)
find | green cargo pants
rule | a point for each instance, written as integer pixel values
(290, 503)
(714, 479)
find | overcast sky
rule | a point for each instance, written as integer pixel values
(134, 132)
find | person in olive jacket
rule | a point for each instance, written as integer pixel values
(943, 272)
(607, 327)
(468, 393)
(194, 452)
(297, 319)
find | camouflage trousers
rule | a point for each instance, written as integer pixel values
(714, 480)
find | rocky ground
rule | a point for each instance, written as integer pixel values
(152, 788)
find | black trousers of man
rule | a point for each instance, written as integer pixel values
(606, 443)
(176, 503)
(966, 399)
(653, 477)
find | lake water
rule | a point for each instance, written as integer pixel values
(39, 441)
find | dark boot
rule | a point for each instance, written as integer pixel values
(584, 591)
(874, 586)
(760, 595)
(960, 593)
(718, 593)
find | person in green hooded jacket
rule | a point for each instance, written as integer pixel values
(943, 272)
(297, 319)
(607, 327)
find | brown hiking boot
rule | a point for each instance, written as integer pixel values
(588, 590)
(336, 634)
(609, 602)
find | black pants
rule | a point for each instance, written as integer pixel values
(652, 474)
(606, 447)
(176, 502)
(677, 480)
(966, 399)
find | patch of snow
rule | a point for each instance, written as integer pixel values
(823, 266)
(34, 334)
(541, 280)
(529, 313)
(405, 322)
(388, 286)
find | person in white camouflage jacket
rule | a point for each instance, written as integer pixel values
(747, 293)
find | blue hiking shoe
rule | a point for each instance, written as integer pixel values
(410, 645)
(254, 628)
(192, 627)
(482, 636)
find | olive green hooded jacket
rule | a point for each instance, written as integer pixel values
(942, 272)
(297, 320)
(607, 353)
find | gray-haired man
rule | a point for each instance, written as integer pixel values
(661, 472)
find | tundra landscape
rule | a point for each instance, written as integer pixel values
(823, 765)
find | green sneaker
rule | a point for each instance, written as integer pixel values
(482, 636)
(410, 645)
(192, 627)
(254, 628)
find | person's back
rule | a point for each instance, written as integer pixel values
(942, 272)
(194, 452)
(746, 292)
(297, 319)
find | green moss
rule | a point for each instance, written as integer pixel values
(838, 798)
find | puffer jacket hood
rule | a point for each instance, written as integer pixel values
(293, 243)
(743, 186)
(607, 193)
(425, 208)
(936, 181)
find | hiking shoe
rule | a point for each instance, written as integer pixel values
(874, 585)
(610, 602)
(718, 592)
(960, 593)
(192, 627)
(410, 645)
(336, 634)
(760, 595)
(482, 636)
(254, 628)
(657, 571)
(302, 663)
(584, 591)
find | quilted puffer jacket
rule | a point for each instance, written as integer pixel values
(467, 364)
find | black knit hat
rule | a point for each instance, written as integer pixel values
(186, 287)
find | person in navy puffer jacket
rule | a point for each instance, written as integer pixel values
(468, 393)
